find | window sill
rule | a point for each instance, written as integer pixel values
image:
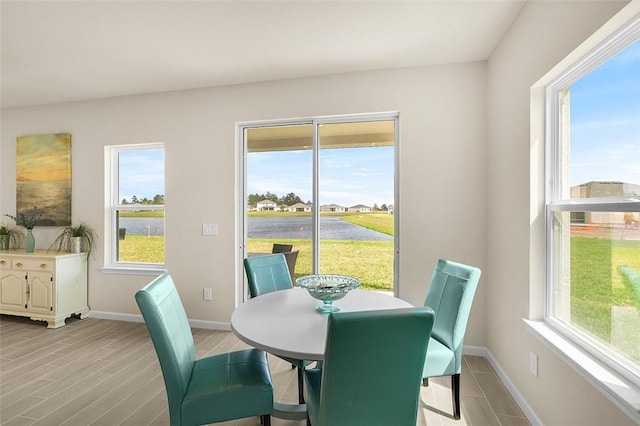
(616, 388)
(132, 270)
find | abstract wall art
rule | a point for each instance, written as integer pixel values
(43, 177)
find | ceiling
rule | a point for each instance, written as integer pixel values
(61, 51)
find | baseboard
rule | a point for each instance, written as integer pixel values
(210, 325)
(511, 388)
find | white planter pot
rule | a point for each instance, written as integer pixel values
(75, 244)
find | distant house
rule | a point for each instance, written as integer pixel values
(332, 208)
(595, 189)
(390, 209)
(361, 208)
(265, 205)
(300, 207)
(604, 189)
(283, 208)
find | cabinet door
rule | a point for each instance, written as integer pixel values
(13, 291)
(40, 292)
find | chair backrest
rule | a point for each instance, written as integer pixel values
(267, 273)
(168, 326)
(372, 366)
(291, 257)
(281, 248)
(451, 292)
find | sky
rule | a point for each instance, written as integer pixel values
(605, 121)
(348, 176)
(141, 173)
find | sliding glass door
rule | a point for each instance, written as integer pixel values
(325, 187)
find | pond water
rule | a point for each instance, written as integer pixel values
(143, 225)
(331, 228)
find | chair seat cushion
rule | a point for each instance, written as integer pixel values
(440, 360)
(223, 384)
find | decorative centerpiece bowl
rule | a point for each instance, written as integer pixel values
(327, 288)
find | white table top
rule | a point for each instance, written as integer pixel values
(286, 322)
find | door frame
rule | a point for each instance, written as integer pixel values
(242, 194)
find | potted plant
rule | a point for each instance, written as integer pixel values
(28, 221)
(71, 238)
(10, 237)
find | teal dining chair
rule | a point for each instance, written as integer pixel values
(450, 295)
(371, 368)
(208, 390)
(269, 273)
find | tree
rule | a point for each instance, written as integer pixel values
(134, 199)
(158, 199)
(290, 199)
(270, 196)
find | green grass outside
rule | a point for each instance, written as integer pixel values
(142, 213)
(142, 249)
(381, 222)
(597, 286)
(369, 261)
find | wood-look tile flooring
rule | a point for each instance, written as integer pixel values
(103, 372)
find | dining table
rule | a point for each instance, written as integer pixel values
(286, 323)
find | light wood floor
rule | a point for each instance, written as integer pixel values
(103, 372)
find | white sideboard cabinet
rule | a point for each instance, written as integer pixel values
(45, 286)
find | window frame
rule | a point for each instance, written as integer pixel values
(617, 380)
(113, 205)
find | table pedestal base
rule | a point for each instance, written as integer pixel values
(289, 411)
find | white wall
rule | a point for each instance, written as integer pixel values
(464, 152)
(543, 34)
(442, 190)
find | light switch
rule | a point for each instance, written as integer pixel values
(209, 229)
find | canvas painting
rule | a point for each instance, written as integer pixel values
(43, 177)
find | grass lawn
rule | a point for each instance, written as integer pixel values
(597, 286)
(381, 222)
(142, 249)
(373, 264)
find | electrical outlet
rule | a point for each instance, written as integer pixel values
(533, 364)
(207, 294)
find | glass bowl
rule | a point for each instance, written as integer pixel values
(327, 288)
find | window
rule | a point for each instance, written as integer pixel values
(593, 203)
(136, 206)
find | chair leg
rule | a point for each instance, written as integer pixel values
(300, 386)
(455, 395)
(265, 420)
(425, 381)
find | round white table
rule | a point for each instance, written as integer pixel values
(286, 322)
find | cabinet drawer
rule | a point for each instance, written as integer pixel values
(33, 264)
(5, 263)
